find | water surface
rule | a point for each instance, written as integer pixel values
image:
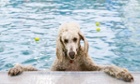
(23, 20)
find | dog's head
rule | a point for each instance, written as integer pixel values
(68, 44)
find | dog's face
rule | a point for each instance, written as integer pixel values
(71, 42)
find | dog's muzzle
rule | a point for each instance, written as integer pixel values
(72, 54)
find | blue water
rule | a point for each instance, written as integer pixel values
(21, 21)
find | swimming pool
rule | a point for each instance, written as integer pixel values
(23, 20)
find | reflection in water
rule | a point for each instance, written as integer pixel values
(22, 20)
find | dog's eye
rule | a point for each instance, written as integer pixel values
(74, 39)
(66, 41)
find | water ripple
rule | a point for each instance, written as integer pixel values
(23, 20)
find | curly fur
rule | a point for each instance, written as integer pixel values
(81, 62)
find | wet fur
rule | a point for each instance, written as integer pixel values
(82, 62)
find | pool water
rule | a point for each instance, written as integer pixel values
(21, 21)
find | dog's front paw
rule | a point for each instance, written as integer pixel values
(126, 76)
(15, 71)
(119, 73)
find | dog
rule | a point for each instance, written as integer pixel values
(71, 56)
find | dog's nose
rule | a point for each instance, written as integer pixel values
(71, 54)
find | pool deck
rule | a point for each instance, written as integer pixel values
(49, 77)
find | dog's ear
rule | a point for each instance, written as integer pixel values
(59, 49)
(86, 45)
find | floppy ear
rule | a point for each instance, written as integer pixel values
(59, 49)
(86, 46)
